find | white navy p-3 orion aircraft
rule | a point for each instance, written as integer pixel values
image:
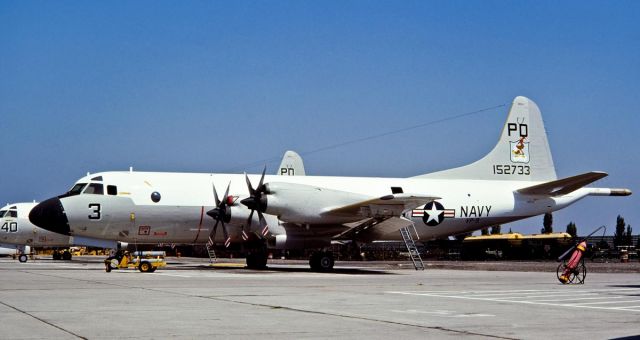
(516, 180)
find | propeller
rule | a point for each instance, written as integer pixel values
(221, 214)
(257, 201)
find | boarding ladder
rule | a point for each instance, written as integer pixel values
(411, 247)
(210, 251)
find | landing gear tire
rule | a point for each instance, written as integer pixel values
(22, 258)
(257, 260)
(321, 261)
(145, 267)
(56, 255)
(66, 255)
(577, 275)
(112, 263)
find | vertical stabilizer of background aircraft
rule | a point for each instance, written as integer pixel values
(291, 165)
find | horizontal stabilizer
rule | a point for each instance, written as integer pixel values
(389, 205)
(563, 186)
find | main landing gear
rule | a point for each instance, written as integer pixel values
(321, 261)
(64, 255)
(257, 258)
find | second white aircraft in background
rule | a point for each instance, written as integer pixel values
(21, 236)
(516, 180)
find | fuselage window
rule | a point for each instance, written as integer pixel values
(77, 189)
(94, 189)
(112, 190)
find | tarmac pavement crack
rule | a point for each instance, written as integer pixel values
(355, 317)
(42, 320)
(299, 310)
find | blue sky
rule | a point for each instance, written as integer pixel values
(212, 86)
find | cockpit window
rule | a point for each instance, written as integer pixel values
(112, 190)
(2, 212)
(11, 213)
(95, 189)
(76, 190)
(97, 178)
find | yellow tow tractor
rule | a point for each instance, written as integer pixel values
(145, 261)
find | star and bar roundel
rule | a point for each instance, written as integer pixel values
(433, 213)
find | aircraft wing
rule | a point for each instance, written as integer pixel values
(389, 205)
(563, 186)
(371, 229)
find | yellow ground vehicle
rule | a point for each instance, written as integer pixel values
(145, 261)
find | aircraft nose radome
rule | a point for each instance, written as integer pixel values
(50, 215)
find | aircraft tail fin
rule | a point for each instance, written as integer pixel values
(291, 165)
(521, 154)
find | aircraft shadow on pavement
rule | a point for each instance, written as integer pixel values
(270, 269)
(626, 286)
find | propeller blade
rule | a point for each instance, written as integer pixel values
(213, 232)
(226, 194)
(264, 227)
(215, 195)
(250, 219)
(262, 178)
(225, 232)
(227, 239)
(251, 191)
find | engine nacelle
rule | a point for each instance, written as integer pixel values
(284, 241)
(306, 204)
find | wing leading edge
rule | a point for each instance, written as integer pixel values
(385, 206)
